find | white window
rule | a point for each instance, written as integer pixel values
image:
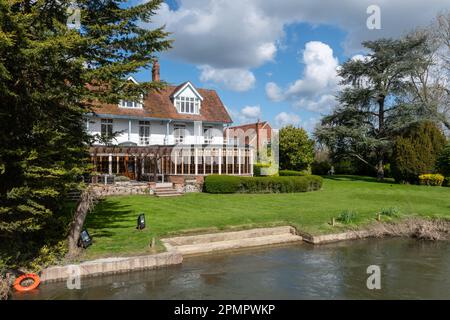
(144, 133)
(107, 127)
(130, 104)
(179, 132)
(187, 105)
(207, 134)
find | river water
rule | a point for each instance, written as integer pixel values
(410, 269)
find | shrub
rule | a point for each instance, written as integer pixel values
(222, 184)
(347, 216)
(443, 161)
(321, 167)
(296, 149)
(430, 179)
(257, 168)
(415, 151)
(390, 212)
(289, 173)
(232, 184)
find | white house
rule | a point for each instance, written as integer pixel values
(175, 131)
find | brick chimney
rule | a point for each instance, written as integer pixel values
(155, 70)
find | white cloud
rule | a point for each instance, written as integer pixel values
(274, 92)
(247, 114)
(283, 119)
(247, 34)
(315, 90)
(233, 78)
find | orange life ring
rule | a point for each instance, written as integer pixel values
(36, 281)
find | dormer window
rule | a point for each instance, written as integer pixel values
(187, 105)
(130, 104)
(187, 100)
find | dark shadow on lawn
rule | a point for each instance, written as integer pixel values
(344, 177)
(106, 215)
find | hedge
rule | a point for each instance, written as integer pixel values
(290, 173)
(234, 184)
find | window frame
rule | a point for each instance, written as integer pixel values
(106, 127)
(179, 133)
(144, 133)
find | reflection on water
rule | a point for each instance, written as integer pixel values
(409, 269)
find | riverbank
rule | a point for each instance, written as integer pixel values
(113, 222)
(182, 246)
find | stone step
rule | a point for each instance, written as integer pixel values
(201, 248)
(233, 235)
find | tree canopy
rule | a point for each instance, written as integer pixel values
(296, 149)
(371, 110)
(45, 67)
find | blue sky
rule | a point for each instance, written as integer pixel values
(275, 60)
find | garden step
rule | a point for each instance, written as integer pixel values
(231, 235)
(236, 244)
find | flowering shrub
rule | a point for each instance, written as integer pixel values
(431, 179)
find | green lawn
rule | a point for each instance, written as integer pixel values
(113, 222)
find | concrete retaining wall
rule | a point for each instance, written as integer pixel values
(111, 265)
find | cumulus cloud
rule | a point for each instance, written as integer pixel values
(226, 34)
(283, 119)
(247, 114)
(315, 90)
(233, 78)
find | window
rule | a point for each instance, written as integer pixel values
(130, 104)
(144, 133)
(179, 131)
(187, 105)
(207, 135)
(107, 127)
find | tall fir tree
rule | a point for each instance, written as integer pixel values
(45, 67)
(370, 110)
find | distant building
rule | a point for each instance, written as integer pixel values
(257, 135)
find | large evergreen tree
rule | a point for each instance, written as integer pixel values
(416, 150)
(370, 112)
(44, 71)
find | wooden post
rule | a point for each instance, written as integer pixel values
(251, 161)
(333, 222)
(239, 160)
(117, 165)
(196, 160)
(220, 160)
(175, 161)
(110, 164)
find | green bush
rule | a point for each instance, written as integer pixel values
(443, 161)
(320, 167)
(222, 184)
(347, 216)
(416, 152)
(233, 184)
(290, 173)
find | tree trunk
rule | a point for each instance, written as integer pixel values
(83, 206)
(380, 170)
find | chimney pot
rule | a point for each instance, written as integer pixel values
(155, 70)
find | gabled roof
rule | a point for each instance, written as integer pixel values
(179, 89)
(159, 105)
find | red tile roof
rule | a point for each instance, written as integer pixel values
(159, 104)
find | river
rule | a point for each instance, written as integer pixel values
(410, 269)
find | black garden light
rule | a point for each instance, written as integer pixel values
(85, 239)
(141, 222)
